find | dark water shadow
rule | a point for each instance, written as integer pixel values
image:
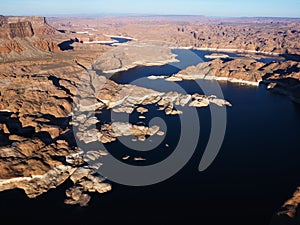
(66, 45)
(294, 57)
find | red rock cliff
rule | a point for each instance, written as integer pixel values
(21, 27)
(13, 30)
(39, 24)
(17, 33)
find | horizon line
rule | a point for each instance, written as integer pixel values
(145, 15)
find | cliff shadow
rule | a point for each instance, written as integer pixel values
(66, 45)
(55, 80)
(284, 220)
(283, 72)
(293, 57)
(15, 128)
(4, 140)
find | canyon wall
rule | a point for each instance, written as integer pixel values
(26, 35)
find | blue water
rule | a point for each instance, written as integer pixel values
(256, 170)
(119, 41)
(186, 58)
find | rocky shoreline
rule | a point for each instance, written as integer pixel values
(120, 98)
(228, 50)
(49, 106)
(283, 75)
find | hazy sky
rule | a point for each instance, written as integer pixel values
(280, 8)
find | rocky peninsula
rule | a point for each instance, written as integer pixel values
(282, 77)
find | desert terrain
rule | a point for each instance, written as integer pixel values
(52, 76)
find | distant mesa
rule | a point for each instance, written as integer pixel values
(21, 27)
(15, 30)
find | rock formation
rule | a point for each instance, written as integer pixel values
(26, 35)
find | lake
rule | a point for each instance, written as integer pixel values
(256, 170)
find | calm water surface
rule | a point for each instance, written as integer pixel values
(256, 170)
